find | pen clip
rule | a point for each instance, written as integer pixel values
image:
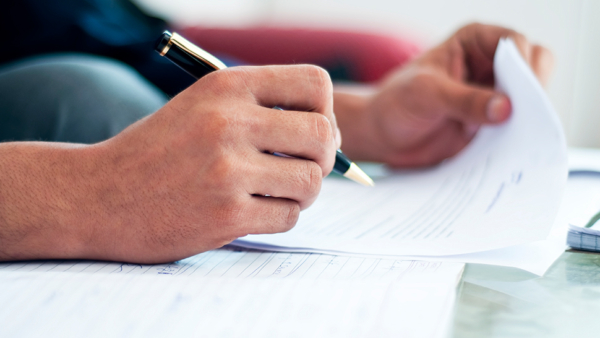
(196, 51)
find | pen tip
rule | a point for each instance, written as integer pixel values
(357, 175)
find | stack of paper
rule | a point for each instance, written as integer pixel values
(585, 162)
(494, 203)
(587, 237)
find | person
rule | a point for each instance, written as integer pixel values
(194, 173)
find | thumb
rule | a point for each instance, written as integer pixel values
(468, 103)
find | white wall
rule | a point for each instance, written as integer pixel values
(570, 28)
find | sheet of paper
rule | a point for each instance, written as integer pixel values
(503, 190)
(231, 262)
(581, 200)
(229, 293)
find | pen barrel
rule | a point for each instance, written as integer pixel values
(181, 58)
(342, 163)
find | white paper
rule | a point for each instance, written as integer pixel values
(228, 293)
(243, 264)
(503, 190)
(581, 200)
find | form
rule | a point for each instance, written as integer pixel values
(229, 293)
(231, 262)
(503, 190)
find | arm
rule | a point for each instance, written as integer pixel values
(43, 194)
(189, 178)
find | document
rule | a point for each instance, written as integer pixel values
(503, 190)
(229, 293)
(231, 262)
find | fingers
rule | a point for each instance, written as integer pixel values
(443, 143)
(298, 134)
(462, 101)
(479, 43)
(289, 178)
(541, 63)
(271, 215)
(475, 104)
(299, 87)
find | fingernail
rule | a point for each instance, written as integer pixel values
(498, 109)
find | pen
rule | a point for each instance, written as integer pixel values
(197, 62)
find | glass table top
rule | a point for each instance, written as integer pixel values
(503, 302)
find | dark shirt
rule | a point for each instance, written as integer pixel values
(113, 28)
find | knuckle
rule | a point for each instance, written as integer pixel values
(230, 214)
(224, 174)
(321, 129)
(219, 81)
(320, 79)
(291, 217)
(229, 81)
(217, 126)
(310, 179)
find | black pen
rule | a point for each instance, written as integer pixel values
(197, 62)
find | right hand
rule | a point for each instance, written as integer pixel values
(196, 174)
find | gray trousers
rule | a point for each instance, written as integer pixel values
(72, 98)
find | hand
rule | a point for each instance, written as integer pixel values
(430, 109)
(197, 174)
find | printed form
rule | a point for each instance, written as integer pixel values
(230, 293)
(503, 190)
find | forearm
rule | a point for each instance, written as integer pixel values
(40, 184)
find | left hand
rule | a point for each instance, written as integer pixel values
(430, 109)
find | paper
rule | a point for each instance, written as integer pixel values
(228, 293)
(579, 237)
(503, 190)
(581, 200)
(583, 238)
(234, 263)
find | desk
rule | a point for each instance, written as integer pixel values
(563, 303)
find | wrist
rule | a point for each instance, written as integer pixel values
(40, 211)
(355, 120)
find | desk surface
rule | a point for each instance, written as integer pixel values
(502, 302)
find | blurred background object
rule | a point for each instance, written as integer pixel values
(569, 28)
